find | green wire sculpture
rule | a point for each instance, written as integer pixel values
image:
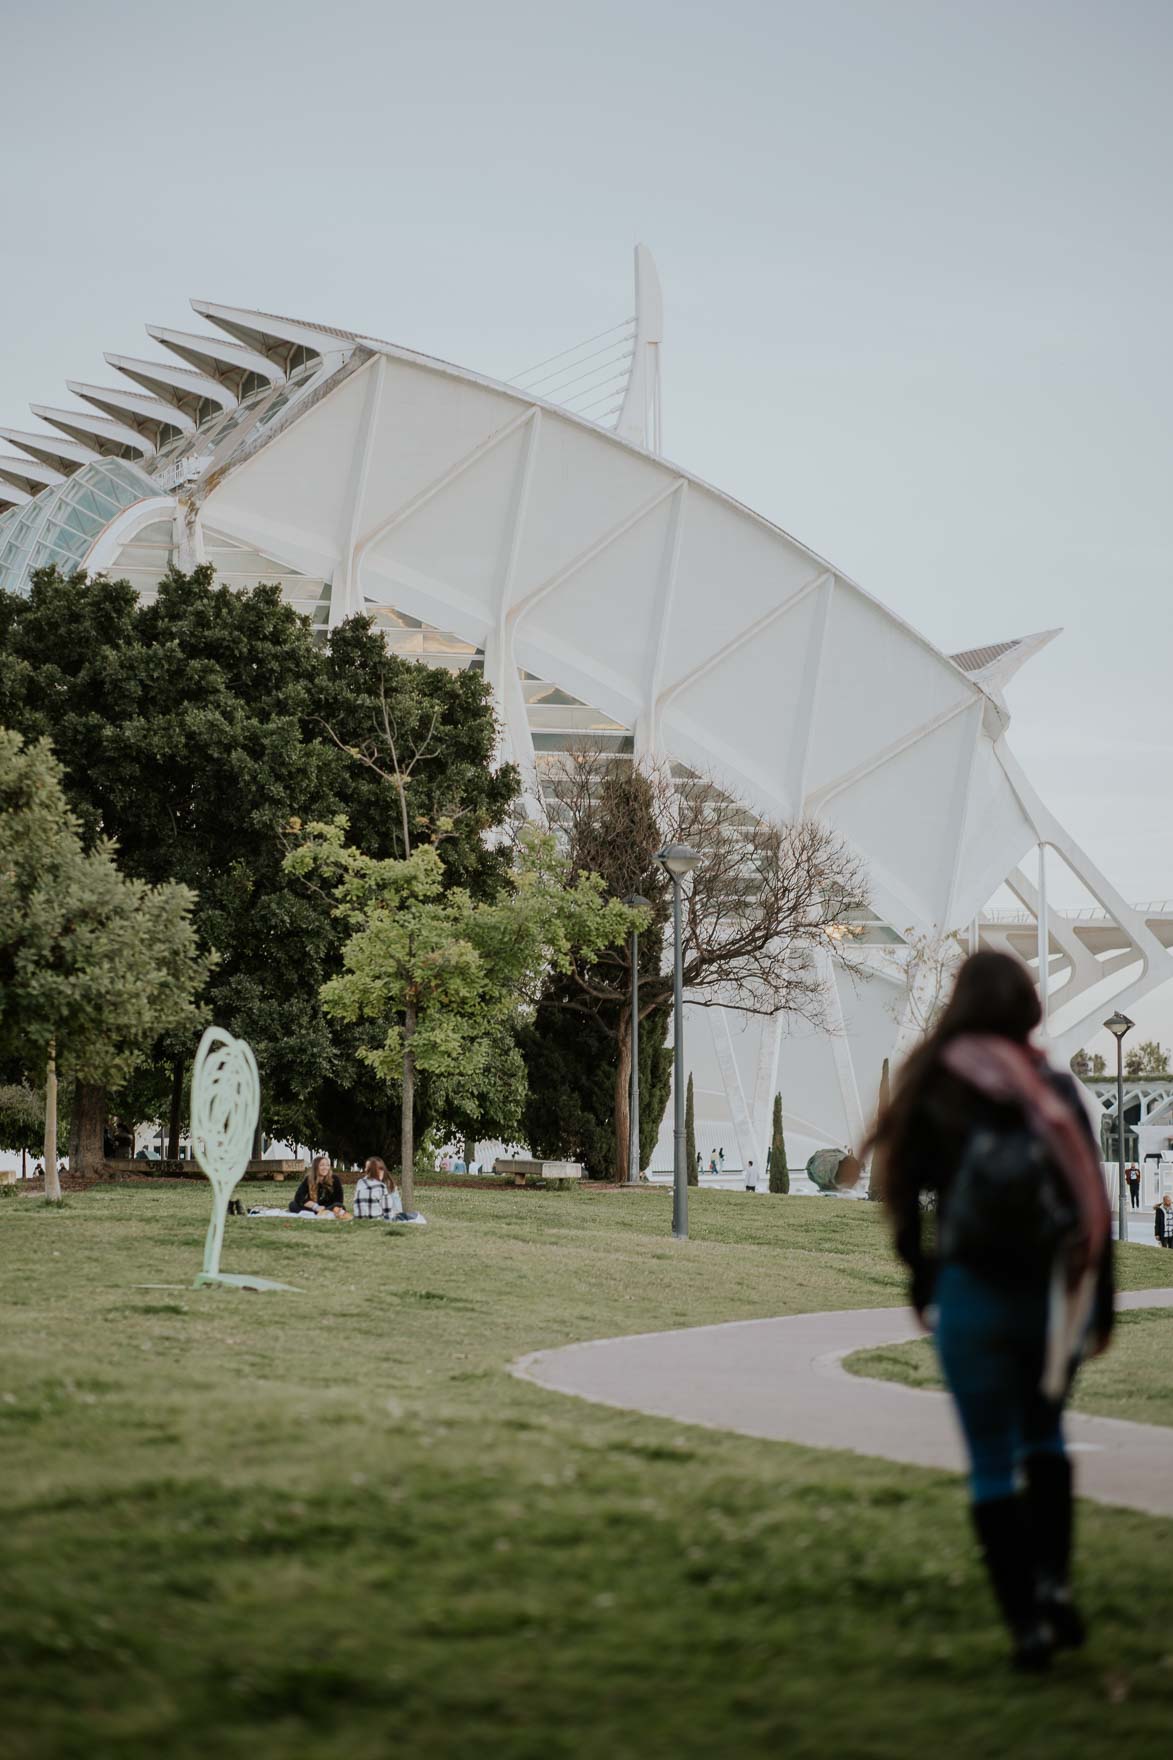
(225, 1101)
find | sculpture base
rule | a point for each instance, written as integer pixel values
(239, 1280)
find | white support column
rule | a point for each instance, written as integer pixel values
(647, 731)
(731, 1081)
(812, 685)
(187, 535)
(841, 1052)
(1044, 935)
(766, 1082)
(517, 744)
(345, 589)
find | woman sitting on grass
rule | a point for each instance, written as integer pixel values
(377, 1196)
(320, 1192)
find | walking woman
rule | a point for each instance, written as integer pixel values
(988, 1150)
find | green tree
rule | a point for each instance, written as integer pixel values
(779, 1169)
(193, 729)
(22, 1116)
(1147, 1059)
(694, 1178)
(92, 964)
(439, 974)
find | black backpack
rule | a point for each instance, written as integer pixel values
(1009, 1209)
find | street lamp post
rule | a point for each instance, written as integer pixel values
(635, 901)
(678, 860)
(1118, 1024)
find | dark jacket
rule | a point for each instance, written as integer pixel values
(329, 1197)
(1163, 1226)
(938, 1132)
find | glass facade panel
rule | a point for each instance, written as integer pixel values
(60, 525)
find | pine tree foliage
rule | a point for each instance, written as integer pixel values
(690, 1134)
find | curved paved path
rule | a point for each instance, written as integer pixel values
(784, 1380)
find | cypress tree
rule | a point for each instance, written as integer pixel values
(690, 1135)
(874, 1192)
(779, 1171)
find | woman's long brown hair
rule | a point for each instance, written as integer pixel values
(317, 1178)
(374, 1167)
(994, 993)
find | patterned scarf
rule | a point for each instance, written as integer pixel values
(1005, 1071)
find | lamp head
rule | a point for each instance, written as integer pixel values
(678, 858)
(1118, 1024)
(636, 901)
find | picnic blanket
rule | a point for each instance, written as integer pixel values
(412, 1220)
(293, 1215)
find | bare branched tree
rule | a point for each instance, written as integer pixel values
(764, 902)
(930, 967)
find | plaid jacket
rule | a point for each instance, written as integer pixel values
(373, 1200)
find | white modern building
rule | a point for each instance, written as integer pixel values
(536, 529)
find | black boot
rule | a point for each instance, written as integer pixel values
(1002, 1536)
(1049, 1509)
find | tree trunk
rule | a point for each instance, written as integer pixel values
(623, 1097)
(470, 1153)
(89, 1108)
(176, 1110)
(406, 1128)
(258, 1134)
(52, 1183)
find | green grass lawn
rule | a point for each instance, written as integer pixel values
(1132, 1380)
(330, 1524)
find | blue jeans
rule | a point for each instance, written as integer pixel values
(992, 1343)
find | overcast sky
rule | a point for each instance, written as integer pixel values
(916, 264)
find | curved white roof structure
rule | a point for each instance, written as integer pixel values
(485, 523)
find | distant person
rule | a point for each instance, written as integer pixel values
(751, 1179)
(1018, 1288)
(699, 1163)
(713, 1165)
(320, 1192)
(1132, 1175)
(38, 1171)
(1163, 1222)
(721, 1157)
(458, 1165)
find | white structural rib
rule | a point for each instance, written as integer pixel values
(27, 475)
(146, 415)
(109, 439)
(639, 417)
(193, 394)
(232, 365)
(288, 343)
(65, 456)
(11, 497)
